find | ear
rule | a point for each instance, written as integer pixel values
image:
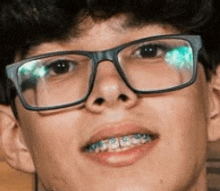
(214, 95)
(12, 142)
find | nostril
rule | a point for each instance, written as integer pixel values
(99, 101)
(123, 97)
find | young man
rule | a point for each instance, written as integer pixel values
(108, 95)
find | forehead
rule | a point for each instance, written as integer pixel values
(100, 35)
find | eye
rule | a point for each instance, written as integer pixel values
(59, 67)
(150, 51)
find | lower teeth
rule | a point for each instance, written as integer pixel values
(115, 144)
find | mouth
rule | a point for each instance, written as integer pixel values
(120, 146)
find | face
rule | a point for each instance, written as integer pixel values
(172, 158)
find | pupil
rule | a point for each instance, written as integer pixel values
(148, 51)
(60, 67)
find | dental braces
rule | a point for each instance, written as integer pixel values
(113, 144)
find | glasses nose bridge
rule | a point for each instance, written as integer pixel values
(111, 56)
(108, 55)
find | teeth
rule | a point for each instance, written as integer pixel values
(146, 138)
(115, 144)
(125, 141)
(137, 139)
(91, 148)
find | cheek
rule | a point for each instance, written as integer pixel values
(181, 119)
(50, 137)
(54, 144)
(186, 111)
(184, 115)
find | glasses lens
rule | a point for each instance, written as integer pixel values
(157, 64)
(55, 80)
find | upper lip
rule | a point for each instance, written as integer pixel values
(118, 130)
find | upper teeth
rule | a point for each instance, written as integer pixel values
(119, 143)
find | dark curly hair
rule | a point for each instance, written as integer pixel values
(25, 23)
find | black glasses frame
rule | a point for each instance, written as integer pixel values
(106, 55)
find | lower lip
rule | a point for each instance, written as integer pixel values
(123, 158)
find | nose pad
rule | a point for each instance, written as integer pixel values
(109, 90)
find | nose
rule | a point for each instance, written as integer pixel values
(109, 90)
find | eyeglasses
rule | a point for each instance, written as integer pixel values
(149, 65)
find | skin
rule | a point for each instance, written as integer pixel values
(49, 142)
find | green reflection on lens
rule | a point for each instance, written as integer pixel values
(180, 57)
(27, 68)
(40, 72)
(33, 69)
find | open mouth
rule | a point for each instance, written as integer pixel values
(118, 144)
